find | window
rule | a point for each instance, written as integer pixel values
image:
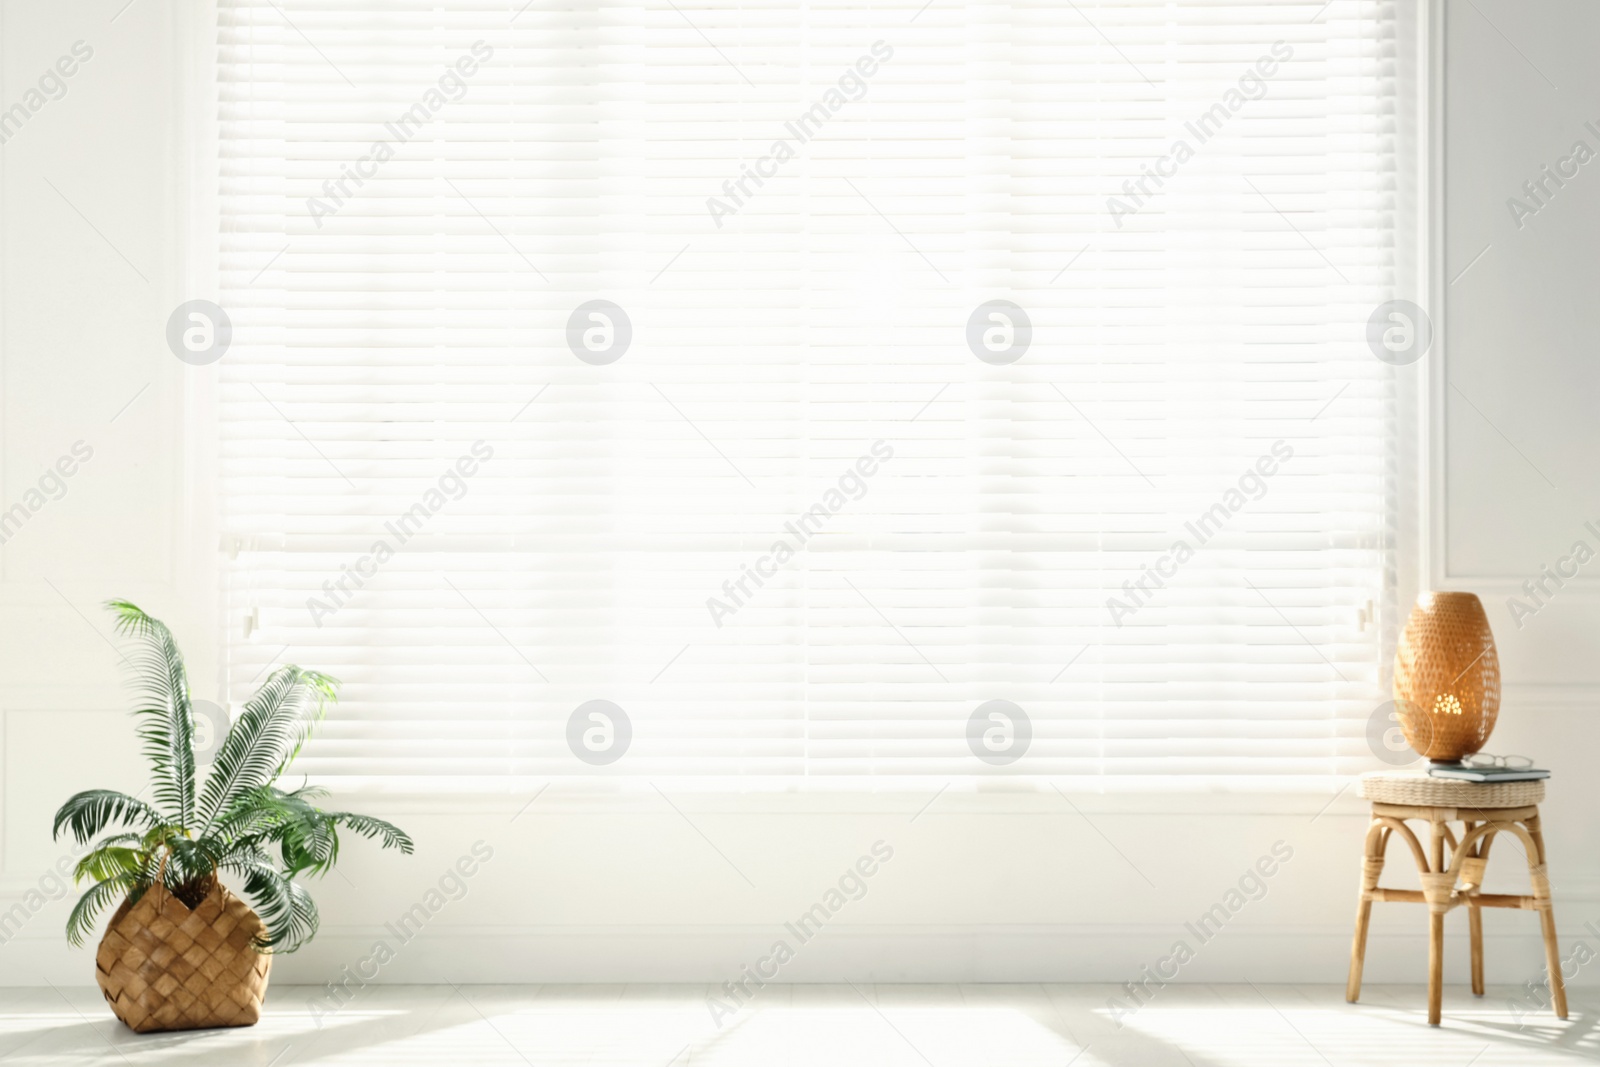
(1147, 499)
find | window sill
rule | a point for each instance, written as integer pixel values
(913, 797)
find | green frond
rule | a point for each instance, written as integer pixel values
(166, 723)
(264, 738)
(125, 837)
(308, 839)
(157, 836)
(80, 924)
(247, 818)
(244, 853)
(307, 835)
(287, 909)
(93, 810)
(299, 860)
(386, 833)
(190, 861)
(308, 792)
(324, 691)
(109, 861)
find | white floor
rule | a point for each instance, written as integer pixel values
(837, 1026)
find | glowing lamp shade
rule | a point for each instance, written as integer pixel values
(1447, 677)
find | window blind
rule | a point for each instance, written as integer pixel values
(985, 312)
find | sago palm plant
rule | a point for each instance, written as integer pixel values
(239, 822)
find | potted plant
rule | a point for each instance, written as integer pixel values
(181, 951)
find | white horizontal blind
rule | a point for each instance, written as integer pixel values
(389, 313)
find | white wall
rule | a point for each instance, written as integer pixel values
(985, 887)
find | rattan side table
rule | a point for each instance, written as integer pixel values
(1451, 877)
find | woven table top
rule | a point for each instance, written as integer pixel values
(1415, 787)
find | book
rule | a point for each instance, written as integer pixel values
(1489, 774)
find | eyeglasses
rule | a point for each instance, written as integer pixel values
(1512, 763)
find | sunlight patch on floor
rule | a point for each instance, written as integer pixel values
(832, 1025)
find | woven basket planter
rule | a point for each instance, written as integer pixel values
(165, 966)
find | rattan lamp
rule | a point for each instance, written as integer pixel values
(1447, 677)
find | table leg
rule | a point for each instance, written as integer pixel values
(1358, 951)
(1436, 931)
(1475, 924)
(1435, 966)
(1474, 913)
(1371, 868)
(1547, 918)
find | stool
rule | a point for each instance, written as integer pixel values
(1484, 810)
